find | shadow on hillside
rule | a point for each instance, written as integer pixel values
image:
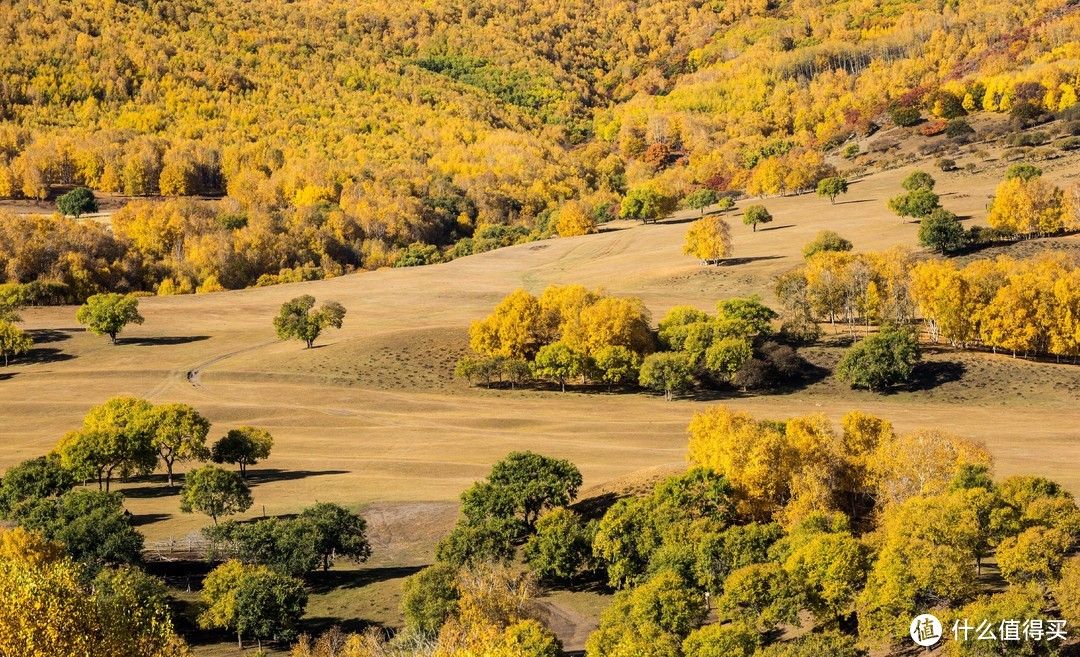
(857, 200)
(144, 519)
(731, 262)
(762, 230)
(4, 376)
(265, 476)
(160, 341)
(45, 355)
(324, 582)
(150, 492)
(46, 336)
(594, 508)
(931, 374)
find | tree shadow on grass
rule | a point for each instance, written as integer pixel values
(45, 355)
(165, 340)
(151, 492)
(931, 374)
(768, 228)
(731, 262)
(264, 476)
(4, 376)
(320, 582)
(46, 336)
(143, 519)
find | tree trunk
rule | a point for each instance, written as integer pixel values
(239, 641)
(562, 384)
(168, 467)
(112, 336)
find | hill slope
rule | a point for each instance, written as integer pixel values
(372, 414)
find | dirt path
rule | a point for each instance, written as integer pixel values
(572, 628)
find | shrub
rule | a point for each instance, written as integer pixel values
(77, 202)
(945, 164)
(1069, 144)
(958, 128)
(933, 128)
(905, 116)
(880, 361)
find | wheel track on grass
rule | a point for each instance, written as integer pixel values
(192, 374)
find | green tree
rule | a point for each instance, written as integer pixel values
(215, 492)
(756, 214)
(666, 372)
(287, 546)
(745, 316)
(116, 439)
(726, 356)
(1015, 604)
(918, 180)
(1023, 171)
(77, 202)
(533, 482)
(701, 198)
(476, 541)
(831, 568)
(91, 525)
(647, 204)
(652, 619)
(429, 598)
(179, 435)
(880, 361)
(716, 640)
(832, 187)
(243, 446)
(919, 203)
(617, 365)
(252, 601)
(941, 231)
(558, 361)
(34, 479)
(762, 594)
(298, 319)
(269, 605)
(905, 117)
(108, 314)
(561, 547)
(337, 532)
(826, 240)
(13, 342)
(135, 608)
(830, 642)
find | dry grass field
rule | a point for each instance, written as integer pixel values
(372, 417)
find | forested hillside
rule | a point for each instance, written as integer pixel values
(347, 134)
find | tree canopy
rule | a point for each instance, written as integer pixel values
(298, 319)
(108, 314)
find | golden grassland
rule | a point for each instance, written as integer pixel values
(372, 417)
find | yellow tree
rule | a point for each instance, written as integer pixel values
(574, 219)
(921, 462)
(610, 321)
(512, 331)
(709, 240)
(1031, 207)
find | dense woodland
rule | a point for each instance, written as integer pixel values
(347, 135)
